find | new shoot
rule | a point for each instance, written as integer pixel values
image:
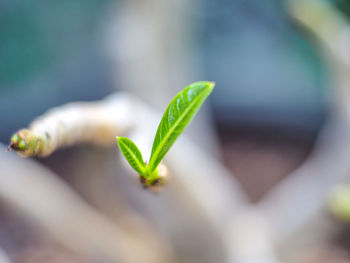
(177, 116)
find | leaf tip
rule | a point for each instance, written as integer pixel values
(120, 140)
(211, 85)
(205, 84)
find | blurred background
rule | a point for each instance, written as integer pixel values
(276, 91)
(271, 82)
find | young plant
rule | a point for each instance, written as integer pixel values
(177, 116)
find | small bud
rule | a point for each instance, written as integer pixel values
(22, 145)
(156, 182)
(25, 143)
(15, 139)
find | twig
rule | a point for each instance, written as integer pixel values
(75, 123)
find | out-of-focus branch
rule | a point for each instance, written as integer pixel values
(74, 123)
(332, 30)
(325, 22)
(250, 239)
(298, 200)
(44, 198)
(4, 257)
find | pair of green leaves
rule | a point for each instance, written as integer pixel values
(177, 116)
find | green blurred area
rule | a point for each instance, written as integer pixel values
(38, 36)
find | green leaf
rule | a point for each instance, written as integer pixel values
(132, 154)
(177, 116)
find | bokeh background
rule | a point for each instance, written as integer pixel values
(270, 79)
(273, 96)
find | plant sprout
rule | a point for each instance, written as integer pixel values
(177, 116)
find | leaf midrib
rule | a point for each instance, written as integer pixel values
(141, 165)
(170, 131)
